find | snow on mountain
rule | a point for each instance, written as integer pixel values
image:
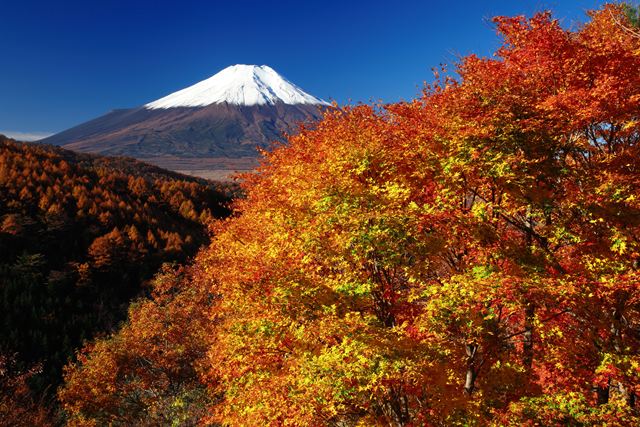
(239, 85)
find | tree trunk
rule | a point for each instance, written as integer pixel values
(602, 394)
(472, 368)
(527, 346)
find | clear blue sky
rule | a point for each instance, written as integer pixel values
(64, 62)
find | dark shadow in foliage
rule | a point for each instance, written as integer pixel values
(79, 237)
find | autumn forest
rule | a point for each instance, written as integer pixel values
(467, 258)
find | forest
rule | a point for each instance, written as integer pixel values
(467, 258)
(80, 236)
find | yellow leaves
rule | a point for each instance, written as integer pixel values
(562, 235)
(330, 310)
(354, 288)
(415, 293)
(618, 242)
(479, 210)
(549, 333)
(629, 125)
(359, 269)
(599, 265)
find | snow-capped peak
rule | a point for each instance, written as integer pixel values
(240, 85)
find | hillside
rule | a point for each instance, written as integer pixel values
(79, 236)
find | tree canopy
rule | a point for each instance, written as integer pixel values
(467, 258)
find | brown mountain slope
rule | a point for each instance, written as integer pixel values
(193, 140)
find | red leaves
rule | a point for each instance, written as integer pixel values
(482, 238)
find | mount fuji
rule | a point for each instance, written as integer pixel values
(210, 129)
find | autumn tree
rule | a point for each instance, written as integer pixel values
(146, 374)
(18, 406)
(468, 258)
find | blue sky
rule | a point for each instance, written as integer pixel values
(66, 62)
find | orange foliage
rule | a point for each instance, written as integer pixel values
(147, 373)
(18, 407)
(469, 258)
(73, 239)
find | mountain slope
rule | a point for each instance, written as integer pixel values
(217, 124)
(219, 130)
(79, 236)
